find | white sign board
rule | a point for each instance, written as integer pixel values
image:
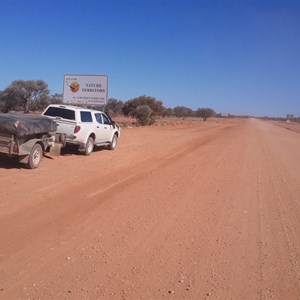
(85, 89)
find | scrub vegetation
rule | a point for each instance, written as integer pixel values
(34, 96)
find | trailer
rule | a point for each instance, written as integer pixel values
(27, 137)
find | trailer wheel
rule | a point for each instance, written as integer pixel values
(35, 156)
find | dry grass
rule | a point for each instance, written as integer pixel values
(128, 122)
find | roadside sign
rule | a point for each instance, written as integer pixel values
(85, 89)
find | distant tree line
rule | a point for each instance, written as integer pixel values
(31, 96)
(146, 109)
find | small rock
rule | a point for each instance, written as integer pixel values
(171, 292)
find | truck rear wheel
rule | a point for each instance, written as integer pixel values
(89, 147)
(35, 156)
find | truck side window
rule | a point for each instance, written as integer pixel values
(98, 118)
(86, 116)
(105, 119)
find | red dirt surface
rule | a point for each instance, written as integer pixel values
(208, 210)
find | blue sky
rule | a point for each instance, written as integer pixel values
(241, 57)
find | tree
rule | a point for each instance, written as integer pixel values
(2, 103)
(169, 112)
(20, 93)
(41, 103)
(182, 112)
(114, 107)
(56, 99)
(205, 113)
(129, 108)
(7, 102)
(144, 115)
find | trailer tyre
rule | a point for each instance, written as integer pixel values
(35, 156)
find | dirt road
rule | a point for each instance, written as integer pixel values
(209, 211)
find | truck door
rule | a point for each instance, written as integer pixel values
(103, 128)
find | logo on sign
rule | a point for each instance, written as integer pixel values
(74, 87)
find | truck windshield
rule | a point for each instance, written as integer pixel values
(60, 112)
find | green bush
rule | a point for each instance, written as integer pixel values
(143, 115)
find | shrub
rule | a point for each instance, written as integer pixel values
(143, 115)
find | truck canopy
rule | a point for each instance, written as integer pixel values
(21, 125)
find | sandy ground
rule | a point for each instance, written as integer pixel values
(209, 210)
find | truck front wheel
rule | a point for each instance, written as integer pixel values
(113, 144)
(35, 156)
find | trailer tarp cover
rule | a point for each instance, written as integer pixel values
(21, 125)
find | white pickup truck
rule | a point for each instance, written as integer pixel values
(84, 127)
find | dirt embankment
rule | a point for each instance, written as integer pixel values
(208, 210)
(293, 126)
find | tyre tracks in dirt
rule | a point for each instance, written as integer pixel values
(208, 212)
(61, 207)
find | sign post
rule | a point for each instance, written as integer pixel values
(85, 89)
